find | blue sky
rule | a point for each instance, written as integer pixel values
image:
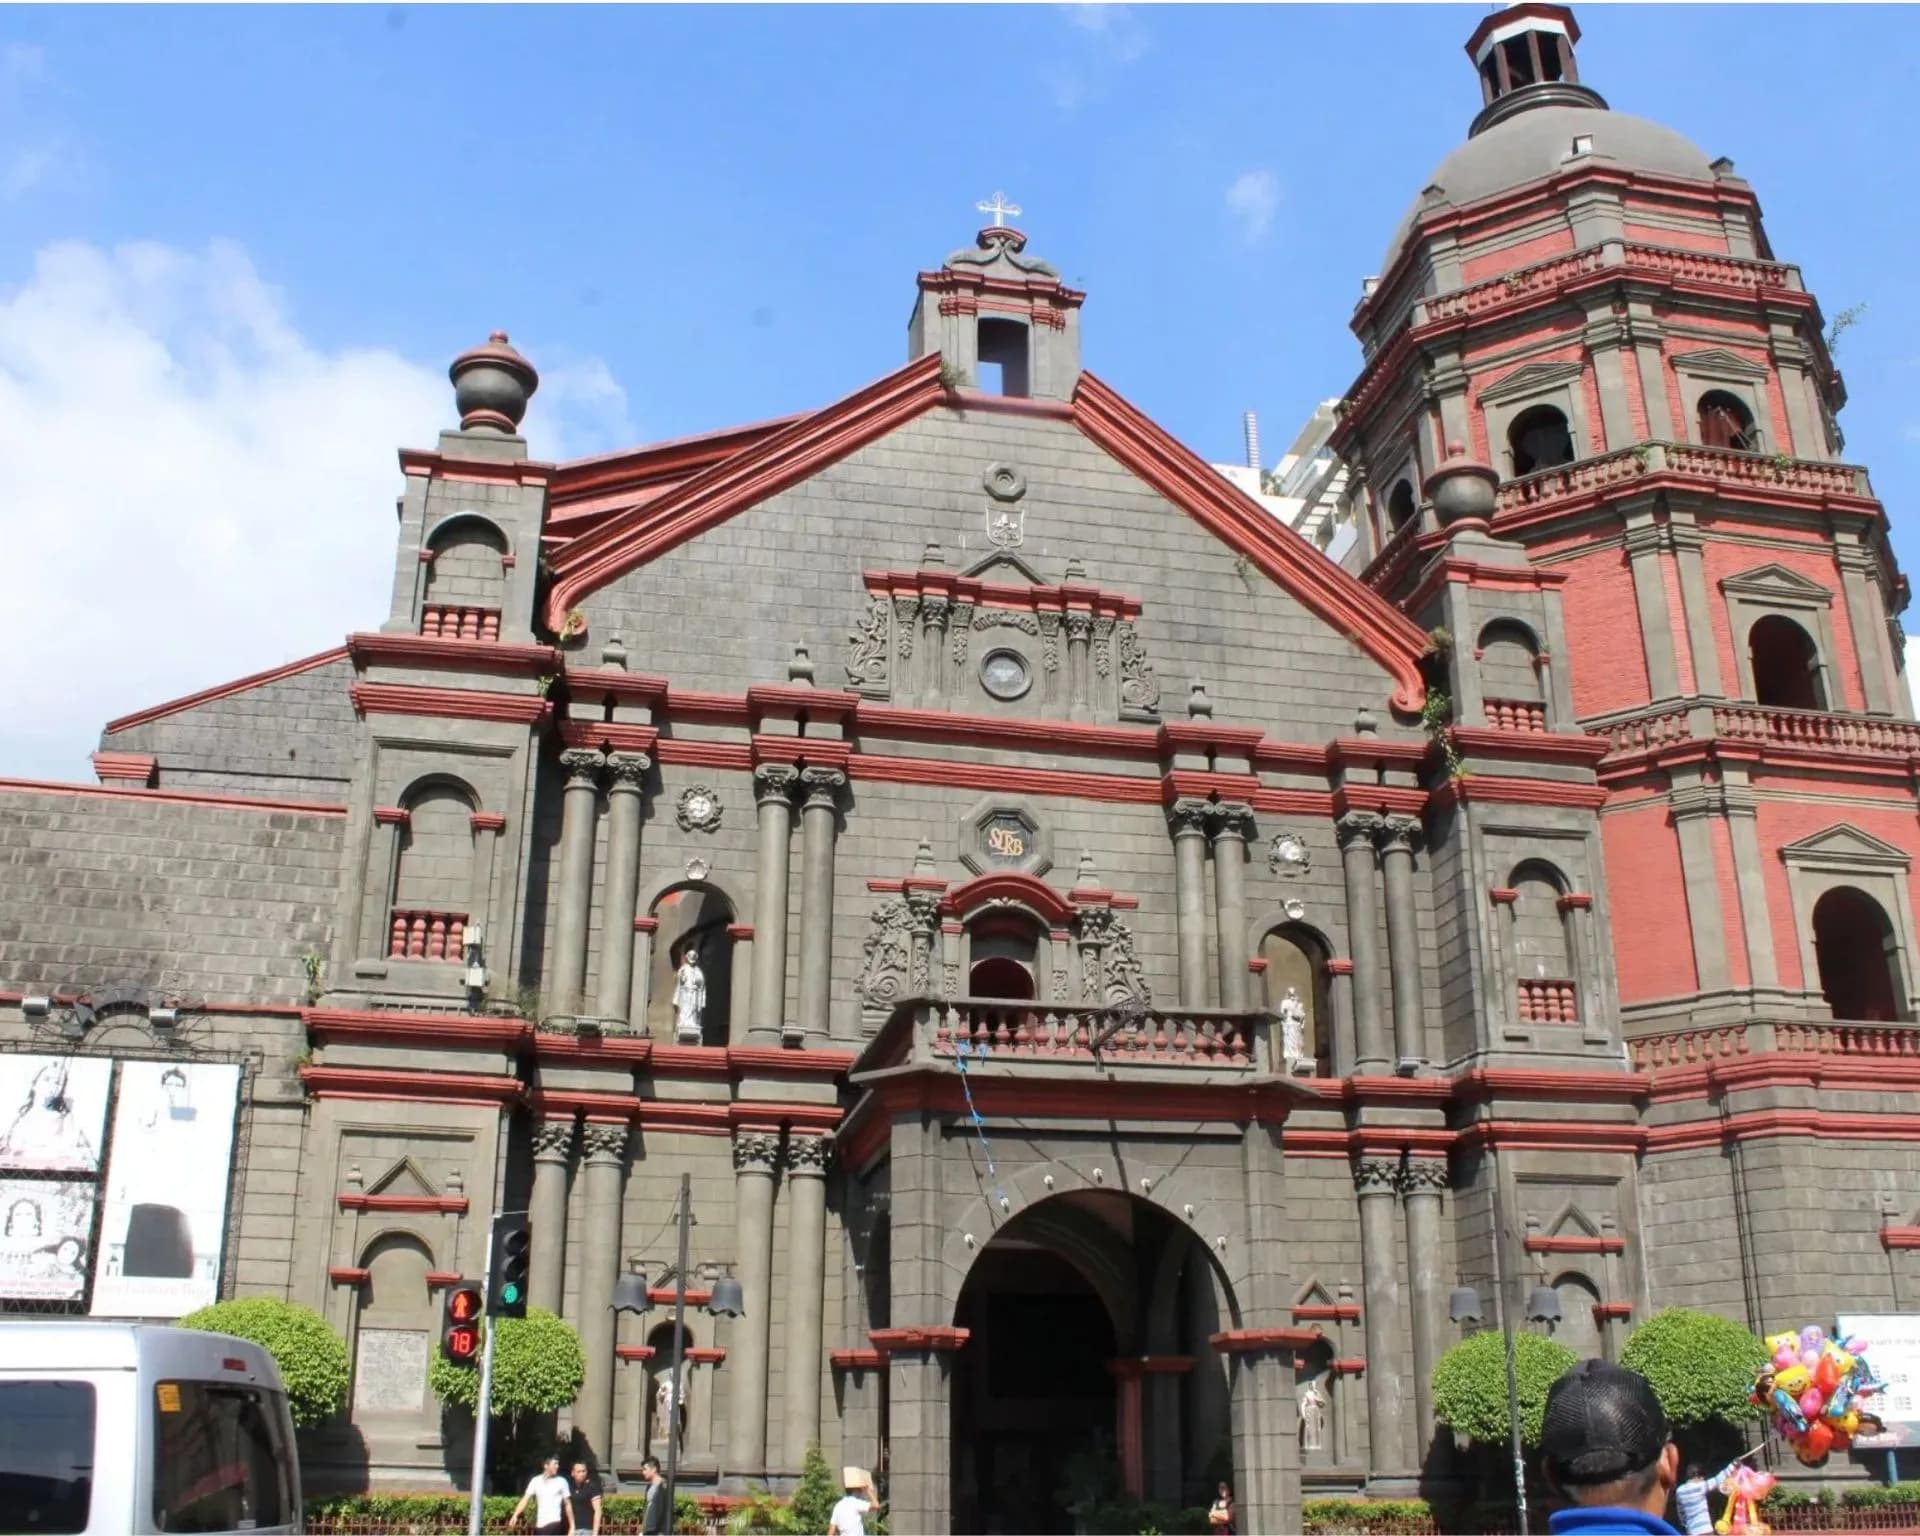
(272, 227)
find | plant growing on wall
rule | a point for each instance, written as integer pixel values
(1436, 715)
(311, 1356)
(1700, 1366)
(1470, 1384)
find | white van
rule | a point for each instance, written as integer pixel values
(119, 1427)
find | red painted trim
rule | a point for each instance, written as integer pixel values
(374, 649)
(706, 1355)
(418, 1029)
(1326, 1314)
(347, 1275)
(1248, 1341)
(1553, 1136)
(1258, 965)
(1490, 789)
(1351, 1366)
(697, 1296)
(167, 796)
(1557, 1244)
(1574, 901)
(475, 1088)
(1612, 1311)
(225, 690)
(440, 1279)
(895, 721)
(448, 703)
(611, 682)
(608, 735)
(895, 1341)
(641, 1352)
(857, 1359)
(487, 821)
(1339, 967)
(1380, 630)
(633, 469)
(1008, 885)
(786, 700)
(646, 925)
(425, 1205)
(136, 768)
(632, 538)
(1542, 1083)
(1529, 746)
(392, 816)
(761, 1058)
(1899, 1237)
(556, 1047)
(1760, 1125)
(993, 594)
(1503, 896)
(447, 466)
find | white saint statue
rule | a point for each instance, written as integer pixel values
(1293, 1029)
(689, 998)
(1313, 1418)
(667, 1406)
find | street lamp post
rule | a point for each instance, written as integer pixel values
(631, 1294)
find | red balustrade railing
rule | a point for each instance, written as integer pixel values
(1547, 1001)
(1689, 1047)
(1023, 1031)
(441, 621)
(1815, 728)
(1516, 715)
(427, 935)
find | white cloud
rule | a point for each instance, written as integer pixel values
(1111, 37)
(31, 145)
(193, 489)
(1253, 199)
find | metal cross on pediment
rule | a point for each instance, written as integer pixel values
(999, 209)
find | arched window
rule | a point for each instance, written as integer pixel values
(1725, 422)
(1297, 973)
(393, 1332)
(433, 886)
(1005, 956)
(1510, 683)
(466, 581)
(1539, 438)
(1786, 665)
(1542, 950)
(1578, 1329)
(692, 919)
(1853, 943)
(1402, 508)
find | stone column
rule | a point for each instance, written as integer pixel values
(1750, 876)
(756, 1154)
(1403, 938)
(576, 880)
(627, 772)
(552, 1155)
(806, 1284)
(818, 815)
(1079, 628)
(1375, 1179)
(1188, 818)
(1341, 1049)
(1644, 542)
(1232, 824)
(1688, 544)
(1693, 807)
(1356, 832)
(1867, 619)
(934, 611)
(639, 996)
(1426, 1179)
(605, 1147)
(773, 788)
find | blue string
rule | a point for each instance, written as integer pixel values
(961, 1050)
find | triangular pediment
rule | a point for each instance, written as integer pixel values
(1533, 377)
(1713, 361)
(1572, 1222)
(1003, 565)
(404, 1178)
(1778, 582)
(1846, 846)
(1313, 1294)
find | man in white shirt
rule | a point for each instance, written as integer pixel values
(849, 1515)
(548, 1491)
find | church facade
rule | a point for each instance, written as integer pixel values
(1108, 971)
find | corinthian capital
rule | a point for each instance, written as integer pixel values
(553, 1140)
(1377, 1175)
(807, 1156)
(583, 766)
(1397, 834)
(1232, 818)
(1357, 827)
(756, 1151)
(1426, 1176)
(628, 770)
(1189, 817)
(774, 781)
(604, 1143)
(822, 786)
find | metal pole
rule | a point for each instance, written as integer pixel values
(476, 1502)
(1506, 1329)
(679, 1337)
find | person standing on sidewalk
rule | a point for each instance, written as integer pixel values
(583, 1502)
(548, 1493)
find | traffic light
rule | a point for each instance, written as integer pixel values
(507, 1268)
(460, 1335)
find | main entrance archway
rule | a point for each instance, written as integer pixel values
(1087, 1375)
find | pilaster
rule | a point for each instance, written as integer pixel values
(1694, 807)
(626, 773)
(1396, 837)
(1424, 1183)
(773, 793)
(819, 821)
(756, 1157)
(1644, 543)
(1376, 1180)
(1232, 825)
(605, 1149)
(578, 809)
(552, 1162)
(806, 1258)
(1188, 821)
(1356, 831)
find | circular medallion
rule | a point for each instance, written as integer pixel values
(1004, 673)
(1004, 483)
(1287, 855)
(699, 809)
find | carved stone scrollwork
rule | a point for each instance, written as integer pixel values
(867, 667)
(1139, 688)
(1357, 826)
(923, 908)
(905, 610)
(553, 1140)
(936, 608)
(582, 765)
(1189, 816)
(1126, 981)
(699, 809)
(1003, 618)
(963, 620)
(1426, 1176)
(887, 957)
(1232, 818)
(1377, 1175)
(603, 1143)
(822, 786)
(756, 1151)
(808, 1156)
(1079, 626)
(1397, 834)
(1103, 647)
(774, 781)
(1050, 641)
(628, 770)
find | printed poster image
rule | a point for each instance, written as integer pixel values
(44, 1228)
(166, 1201)
(1893, 1350)
(53, 1113)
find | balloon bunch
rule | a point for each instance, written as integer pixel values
(1815, 1386)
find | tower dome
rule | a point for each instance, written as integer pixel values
(1537, 117)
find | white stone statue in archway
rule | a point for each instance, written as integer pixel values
(1293, 1030)
(689, 998)
(669, 1403)
(1313, 1418)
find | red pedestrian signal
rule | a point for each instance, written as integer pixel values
(460, 1335)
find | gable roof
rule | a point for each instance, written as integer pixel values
(781, 459)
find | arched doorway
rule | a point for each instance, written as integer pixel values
(1005, 956)
(1786, 665)
(1050, 1411)
(1853, 944)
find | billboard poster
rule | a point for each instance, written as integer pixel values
(45, 1226)
(1893, 1350)
(53, 1113)
(164, 1225)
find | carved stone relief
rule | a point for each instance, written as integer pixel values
(867, 668)
(1139, 688)
(886, 957)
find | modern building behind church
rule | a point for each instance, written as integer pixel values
(1143, 967)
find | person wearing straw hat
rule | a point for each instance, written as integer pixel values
(860, 1500)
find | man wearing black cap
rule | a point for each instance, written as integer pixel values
(1604, 1445)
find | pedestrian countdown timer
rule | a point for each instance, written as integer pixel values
(460, 1335)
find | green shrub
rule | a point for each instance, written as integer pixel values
(1470, 1384)
(810, 1510)
(1700, 1366)
(538, 1367)
(761, 1512)
(311, 1356)
(1373, 1517)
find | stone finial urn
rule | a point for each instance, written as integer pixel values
(492, 384)
(1461, 489)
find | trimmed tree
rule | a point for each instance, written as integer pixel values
(311, 1356)
(1470, 1384)
(1700, 1366)
(815, 1494)
(538, 1367)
